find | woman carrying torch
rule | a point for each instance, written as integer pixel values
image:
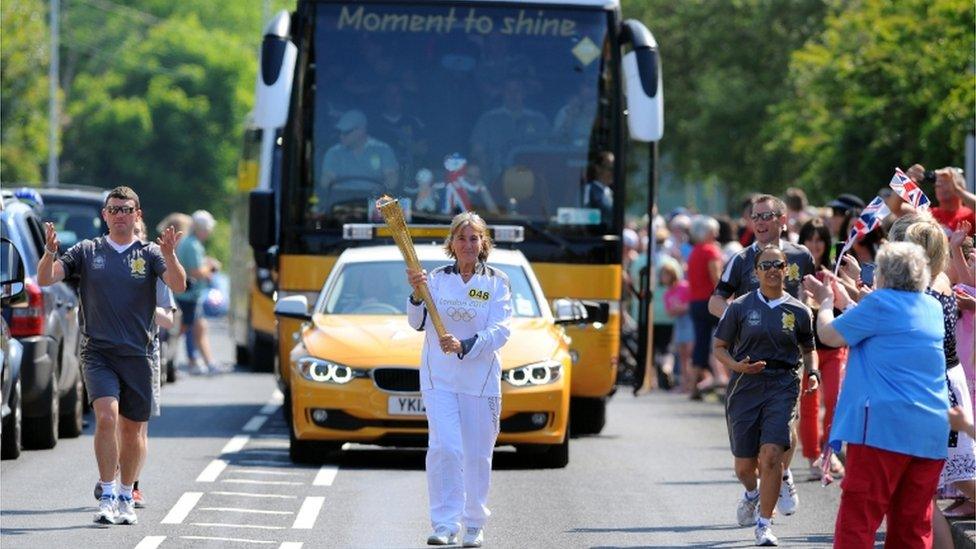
(460, 377)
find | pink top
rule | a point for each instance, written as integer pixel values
(677, 295)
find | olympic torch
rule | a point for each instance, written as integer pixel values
(393, 216)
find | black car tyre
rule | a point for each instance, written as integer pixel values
(546, 456)
(72, 406)
(312, 451)
(10, 439)
(41, 433)
(588, 416)
(263, 353)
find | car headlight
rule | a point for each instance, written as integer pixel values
(324, 371)
(540, 373)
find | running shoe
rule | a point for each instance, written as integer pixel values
(747, 510)
(138, 499)
(473, 537)
(765, 537)
(789, 500)
(108, 510)
(442, 535)
(126, 510)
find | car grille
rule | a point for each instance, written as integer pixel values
(405, 380)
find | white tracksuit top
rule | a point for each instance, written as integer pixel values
(478, 314)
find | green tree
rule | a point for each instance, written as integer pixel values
(724, 64)
(165, 118)
(23, 90)
(885, 84)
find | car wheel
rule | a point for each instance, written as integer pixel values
(588, 416)
(73, 407)
(286, 408)
(312, 451)
(10, 438)
(41, 433)
(546, 456)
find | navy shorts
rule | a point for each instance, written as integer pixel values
(128, 379)
(705, 323)
(760, 408)
(189, 311)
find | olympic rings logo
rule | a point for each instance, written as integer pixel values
(460, 314)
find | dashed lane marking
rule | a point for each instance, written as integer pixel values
(242, 510)
(254, 424)
(251, 495)
(261, 462)
(212, 471)
(178, 513)
(151, 542)
(235, 444)
(291, 545)
(308, 513)
(226, 525)
(326, 475)
(233, 540)
(272, 472)
(266, 482)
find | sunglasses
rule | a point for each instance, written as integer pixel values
(120, 209)
(765, 216)
(767, 265)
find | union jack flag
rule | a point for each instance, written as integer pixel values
(871, 216)
(908, 190)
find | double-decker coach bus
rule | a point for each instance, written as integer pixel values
(525, 112)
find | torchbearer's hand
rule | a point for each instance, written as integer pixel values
(168, 240)
(417, 279)
(450, 344)
(747, 367)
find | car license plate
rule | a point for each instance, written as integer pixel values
(407, 406)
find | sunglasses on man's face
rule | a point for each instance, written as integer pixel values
(765, 216)
(114, 210)
(767, 265)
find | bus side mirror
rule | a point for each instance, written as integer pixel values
(642, 75)
(261, 227)
(11, 273)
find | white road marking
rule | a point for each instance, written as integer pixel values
(212, 471)
(270, 408)
(226, 525)
(254, 424)
(308, 513)
(182, 508)
(253, 471)
(266, 451)
(326, 475)
(150, 542)
(235, 540)
(251, 495)
(252, 481)
(241, 510)
(291, 545)
(235, 444)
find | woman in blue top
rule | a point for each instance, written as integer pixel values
(893, 405)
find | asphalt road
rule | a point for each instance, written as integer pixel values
(218, 475)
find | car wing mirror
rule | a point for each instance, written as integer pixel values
(11, 272)
(293, 306)
(568, 311)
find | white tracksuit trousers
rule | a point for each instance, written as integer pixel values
(462, 433)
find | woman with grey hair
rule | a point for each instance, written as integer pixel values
(704, 271)
(892, 410)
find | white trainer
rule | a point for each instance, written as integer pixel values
(108, 510)
(127, 511)
(765, 537)
(747, 511)
(473, 537)
(789, 500)
(442, 535)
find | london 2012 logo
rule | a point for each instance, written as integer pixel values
(461, 314)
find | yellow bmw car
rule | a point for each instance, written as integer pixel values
(354, 371)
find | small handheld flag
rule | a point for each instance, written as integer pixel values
(908, 190)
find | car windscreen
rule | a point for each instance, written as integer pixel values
(380, 288)
(74, 221)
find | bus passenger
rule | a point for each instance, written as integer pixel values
(357, 155)
(598, 191)
(500, 131)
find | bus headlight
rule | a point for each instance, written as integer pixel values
(324, 371)
(539, 373)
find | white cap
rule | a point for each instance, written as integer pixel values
(203, 220)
